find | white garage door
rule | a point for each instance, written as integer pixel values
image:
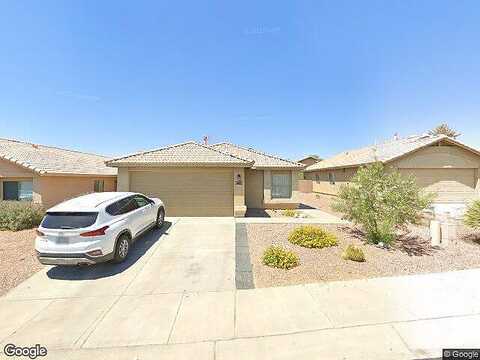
(188, 191)
(451, 185)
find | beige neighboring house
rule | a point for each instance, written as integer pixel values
(210, 180)
(48, 175)
(440, 164)
(310, 160)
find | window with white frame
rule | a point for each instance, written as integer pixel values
(331, 178)
(281, 185)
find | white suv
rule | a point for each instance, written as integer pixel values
(96, 227)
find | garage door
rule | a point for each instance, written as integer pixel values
(451, 185)
(189, 191)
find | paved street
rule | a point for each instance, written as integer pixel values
(176, 299)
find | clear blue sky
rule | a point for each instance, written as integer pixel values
(288, 77)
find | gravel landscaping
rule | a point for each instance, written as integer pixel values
(17, 258)
(410, 254)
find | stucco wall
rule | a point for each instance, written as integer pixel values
(52, 190)
(305, 186)
(321, 183)
(8, 169)
(439, 157)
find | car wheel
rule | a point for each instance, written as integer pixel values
(160, 218)
(122, 248)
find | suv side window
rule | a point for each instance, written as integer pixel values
(112, 209)
(141, 201)
(123, 206)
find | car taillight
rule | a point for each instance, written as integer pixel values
(98, 232)
(39, 233)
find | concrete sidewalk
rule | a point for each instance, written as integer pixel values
(314, 216)
(176, 300)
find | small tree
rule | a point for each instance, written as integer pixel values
(381, 200)
(472, 215)
(444, 129)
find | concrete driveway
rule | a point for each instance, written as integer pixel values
(175, 299)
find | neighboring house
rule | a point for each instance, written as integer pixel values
(440, 164)
(49, 175)
(310, 160)
(217, 180)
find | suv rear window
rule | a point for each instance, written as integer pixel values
(69, 220)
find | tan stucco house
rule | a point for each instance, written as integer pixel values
(310, 160)
(440, 164)
(48, 175)
(210, 180)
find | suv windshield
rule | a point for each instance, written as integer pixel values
(69, 220)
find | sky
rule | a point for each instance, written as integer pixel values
(287, 77)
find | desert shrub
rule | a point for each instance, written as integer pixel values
(278, 257)
(472, 215)
(312, 237)
(289, 213)
(353, 253)
(381, 200)
(19, 215)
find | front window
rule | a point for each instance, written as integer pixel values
(99, 186)
(18, 190)
(281, 185)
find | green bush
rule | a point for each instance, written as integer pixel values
(289, 213)
(381, 200)
(472, 215)
(276, 256)
(353, 253)
(312, 237)
(19, 215)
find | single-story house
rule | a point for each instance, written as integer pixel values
(310, 160)
(48, 175)
(210, 180)
(440, 164)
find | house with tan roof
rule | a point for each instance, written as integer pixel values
(210, 180)
(49, 175)
(310, 160)
(440, 164)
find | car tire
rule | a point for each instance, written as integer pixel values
(160, 218)
(122, 248)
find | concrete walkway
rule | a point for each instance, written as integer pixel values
(313, 216)
(175, 299)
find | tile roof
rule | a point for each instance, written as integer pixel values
(315, 157)
(51, 160)
(260, 159)
(384, 152)
(184, 154)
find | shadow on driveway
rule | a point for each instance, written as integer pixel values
(103, 270)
